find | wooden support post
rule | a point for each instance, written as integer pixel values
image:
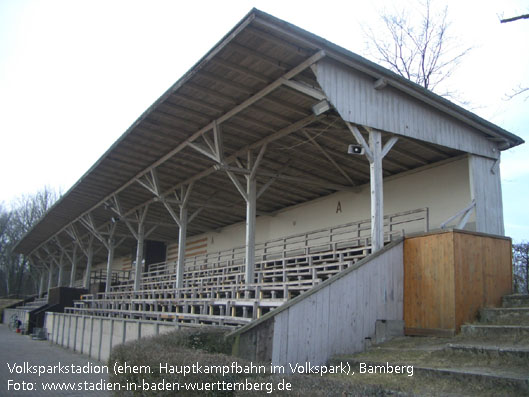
(110, 245)
(139, 256)
(377, 193)
(182, 234)
(89, 259)
(110, 259)
(41, 284)
(50, 277)
(61, 270)
(375, 153)
(74, 266)
(313, 270)
(250, 230)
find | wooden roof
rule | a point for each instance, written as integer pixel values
(238, 86)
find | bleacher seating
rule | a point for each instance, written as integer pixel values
(214, 291)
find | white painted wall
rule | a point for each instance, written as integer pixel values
(443, 187)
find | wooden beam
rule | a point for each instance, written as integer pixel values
(380, 84)
(305, 89)
(257, 162)
(237, 184)
(171, 212)
(219, 146)
(360, 140)
(389, 144)
(201, 149)
(329, 157)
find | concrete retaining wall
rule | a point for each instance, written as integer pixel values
(23, 316)
(96, 336)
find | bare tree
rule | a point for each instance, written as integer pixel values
(419, 49)
(15, 270)
(520, 264)
(520, 89)
(516, 18)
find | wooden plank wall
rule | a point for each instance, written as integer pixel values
(338, 317)
(353, 95)
(429, 298)
(193, 248)
(483, 274)
(449, 276)
(123, 263)
(485, 188)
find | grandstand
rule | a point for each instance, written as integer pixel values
(278, 165)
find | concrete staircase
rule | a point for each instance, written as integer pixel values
(36, 304)
(488, 358)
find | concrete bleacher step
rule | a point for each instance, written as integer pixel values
(505, 316)
(516, 300)
(36, 304)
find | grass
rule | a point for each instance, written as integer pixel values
(209, 348)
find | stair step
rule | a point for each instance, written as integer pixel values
(516, 300)
(490, 351)
(496, 331)
(505, 315)
(484, 377)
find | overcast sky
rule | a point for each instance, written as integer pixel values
(74, 75)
